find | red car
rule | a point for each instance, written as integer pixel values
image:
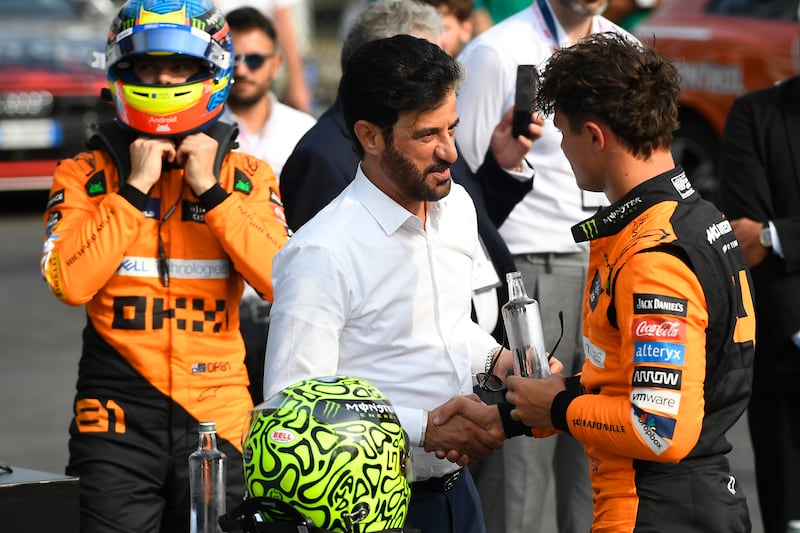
(48, 93)
(723, 49)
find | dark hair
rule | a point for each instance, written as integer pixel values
(461, 9)
(250, 18)
(611, 79)
(399, 74)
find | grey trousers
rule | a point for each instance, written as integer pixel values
(514, 482)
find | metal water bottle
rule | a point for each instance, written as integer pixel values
(206, 482)
(523, 325)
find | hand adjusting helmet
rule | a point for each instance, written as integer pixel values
(185, 28)
(333, 449)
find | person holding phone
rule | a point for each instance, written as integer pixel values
(537, 234)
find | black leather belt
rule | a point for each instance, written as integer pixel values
(437, 484)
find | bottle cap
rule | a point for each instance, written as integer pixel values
(207, 427)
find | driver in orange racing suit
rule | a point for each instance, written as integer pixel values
(154, 230)
(668, 323)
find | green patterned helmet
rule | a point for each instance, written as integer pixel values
(333, 448)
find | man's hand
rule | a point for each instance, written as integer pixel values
(464, 429)
(196, 154)
(532, 398)
(509, 152)
(147, 156)
(504, 365)
(748, 233)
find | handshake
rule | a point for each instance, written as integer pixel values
(464, 429)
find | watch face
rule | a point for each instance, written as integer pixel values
(766, 237)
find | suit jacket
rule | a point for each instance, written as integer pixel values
(324, 162)
(760, 179)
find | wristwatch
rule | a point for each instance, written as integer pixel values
(766, 237)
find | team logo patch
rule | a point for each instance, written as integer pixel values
(594, 353)
(241, 182)
(52, 220)
(655, 376)
(664, 426)
(683, 185)
(56, 198)
(96, 184)
(659, 400)
(192, 212)
(658, 329)
(653, 429)
(654, 304)
(658, 352)
(152, 208)
(595, 290)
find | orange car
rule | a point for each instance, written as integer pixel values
(723, 48)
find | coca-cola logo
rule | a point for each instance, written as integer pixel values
(659, 329)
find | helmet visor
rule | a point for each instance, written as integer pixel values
(171, 39)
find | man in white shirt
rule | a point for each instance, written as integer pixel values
(538, 235)
(377, 285)
(268, 130)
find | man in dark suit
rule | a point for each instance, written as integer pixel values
(760, 193)
(324, 161)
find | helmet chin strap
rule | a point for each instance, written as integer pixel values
(359, 513)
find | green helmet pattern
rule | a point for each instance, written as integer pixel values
(334, 449)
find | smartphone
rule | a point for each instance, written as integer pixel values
(527, 81)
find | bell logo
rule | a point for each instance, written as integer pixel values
(282, 436)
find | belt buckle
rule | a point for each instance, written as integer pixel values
(450, 480)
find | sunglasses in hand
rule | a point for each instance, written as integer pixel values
(489, 382)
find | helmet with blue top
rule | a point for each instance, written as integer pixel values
(181, 29)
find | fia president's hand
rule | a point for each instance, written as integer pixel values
(464, 429)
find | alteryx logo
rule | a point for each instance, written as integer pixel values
(658, 352)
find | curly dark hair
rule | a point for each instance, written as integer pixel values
(613, 80)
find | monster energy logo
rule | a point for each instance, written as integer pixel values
(199, 24)
(589, 228)
(331, 409)
(369, 407)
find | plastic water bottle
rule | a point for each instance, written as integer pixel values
(523, 324)
(206, 482)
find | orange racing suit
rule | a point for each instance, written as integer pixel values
(668, 337)
(161, 276)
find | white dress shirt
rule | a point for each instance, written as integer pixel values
(541, 222)
(275, 140)
(363, 290)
